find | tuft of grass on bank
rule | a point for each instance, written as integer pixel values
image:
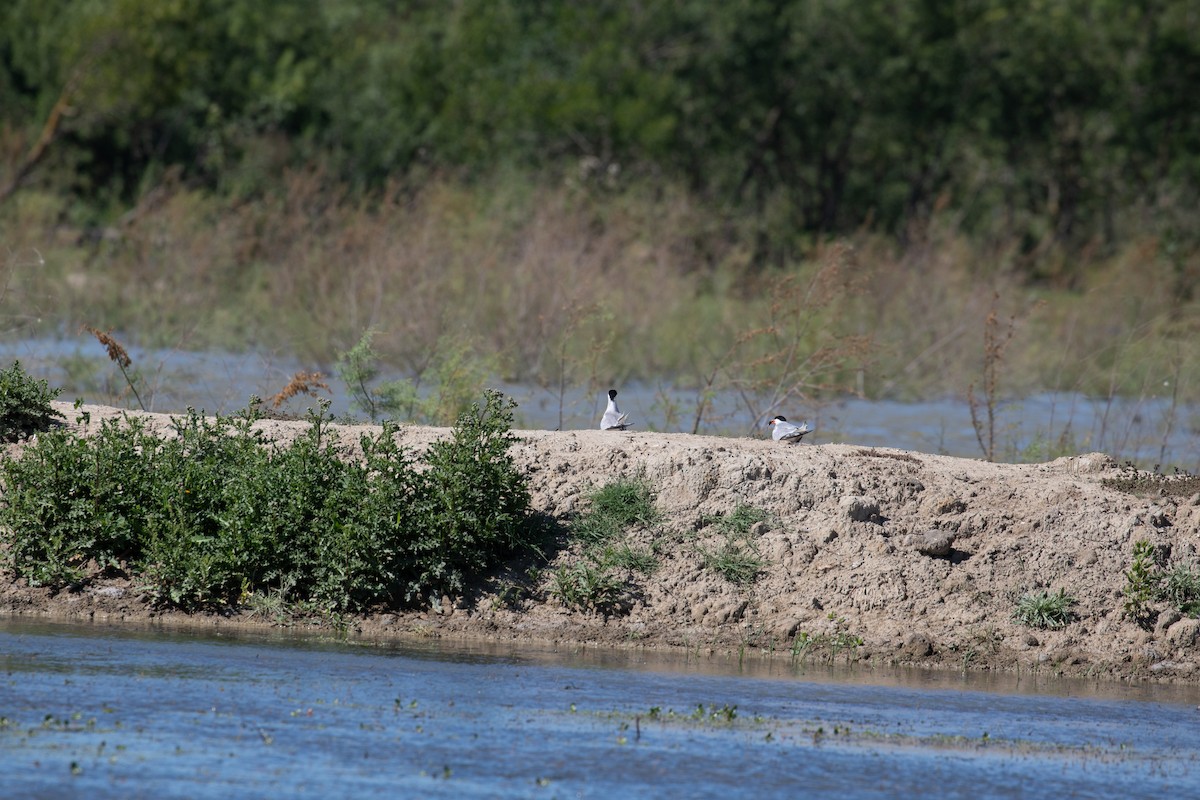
(216, 515)
(606, 570)
(736, 558)
(1044, 609)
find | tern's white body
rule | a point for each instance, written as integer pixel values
(786, 431)
(613, 419)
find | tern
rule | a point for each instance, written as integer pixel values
(613, 419)
(786, 431)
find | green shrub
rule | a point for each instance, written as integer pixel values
(472, 501)
(215, 514)
(24, 404)
(1044, 610)
(68, 501)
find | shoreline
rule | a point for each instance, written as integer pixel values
(920, 556)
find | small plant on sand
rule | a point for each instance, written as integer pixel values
(1044, 610)
(828, 644)
(1181, 588)
(586, 586)
(736, 557)
(592, 582)
(1142, 584)
(738, 562)
(24, 404)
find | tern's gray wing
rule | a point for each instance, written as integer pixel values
(786, 431)
(613, 419)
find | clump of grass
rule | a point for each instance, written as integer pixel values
(736, 558)
(1044, 610)
(24, 404)
(593, 582)
(614, 508)
(216, 515)
(738, 562)
(587, 586)
(1180, 587)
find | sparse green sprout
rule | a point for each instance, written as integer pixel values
(1044, 610)
(827, 645)
(738, 562)
(737, 557)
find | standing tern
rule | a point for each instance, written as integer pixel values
(786, 431)
(613, 419)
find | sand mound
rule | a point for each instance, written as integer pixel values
(923, 557)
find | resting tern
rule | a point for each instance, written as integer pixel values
(786, 431)
(613, 419)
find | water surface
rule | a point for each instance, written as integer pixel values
(96, 712)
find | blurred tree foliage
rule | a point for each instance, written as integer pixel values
(1064, 121)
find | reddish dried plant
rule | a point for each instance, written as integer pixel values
(301, 383)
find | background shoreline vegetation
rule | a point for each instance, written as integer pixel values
(790, 201)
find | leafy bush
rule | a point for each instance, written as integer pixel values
(215, 514)
(24, 404)
(473, 502)
(1044, 610)
(69, 500)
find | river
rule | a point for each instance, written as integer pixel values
(97, 712)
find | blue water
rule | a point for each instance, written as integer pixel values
(96, 712)
(1148, 430)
